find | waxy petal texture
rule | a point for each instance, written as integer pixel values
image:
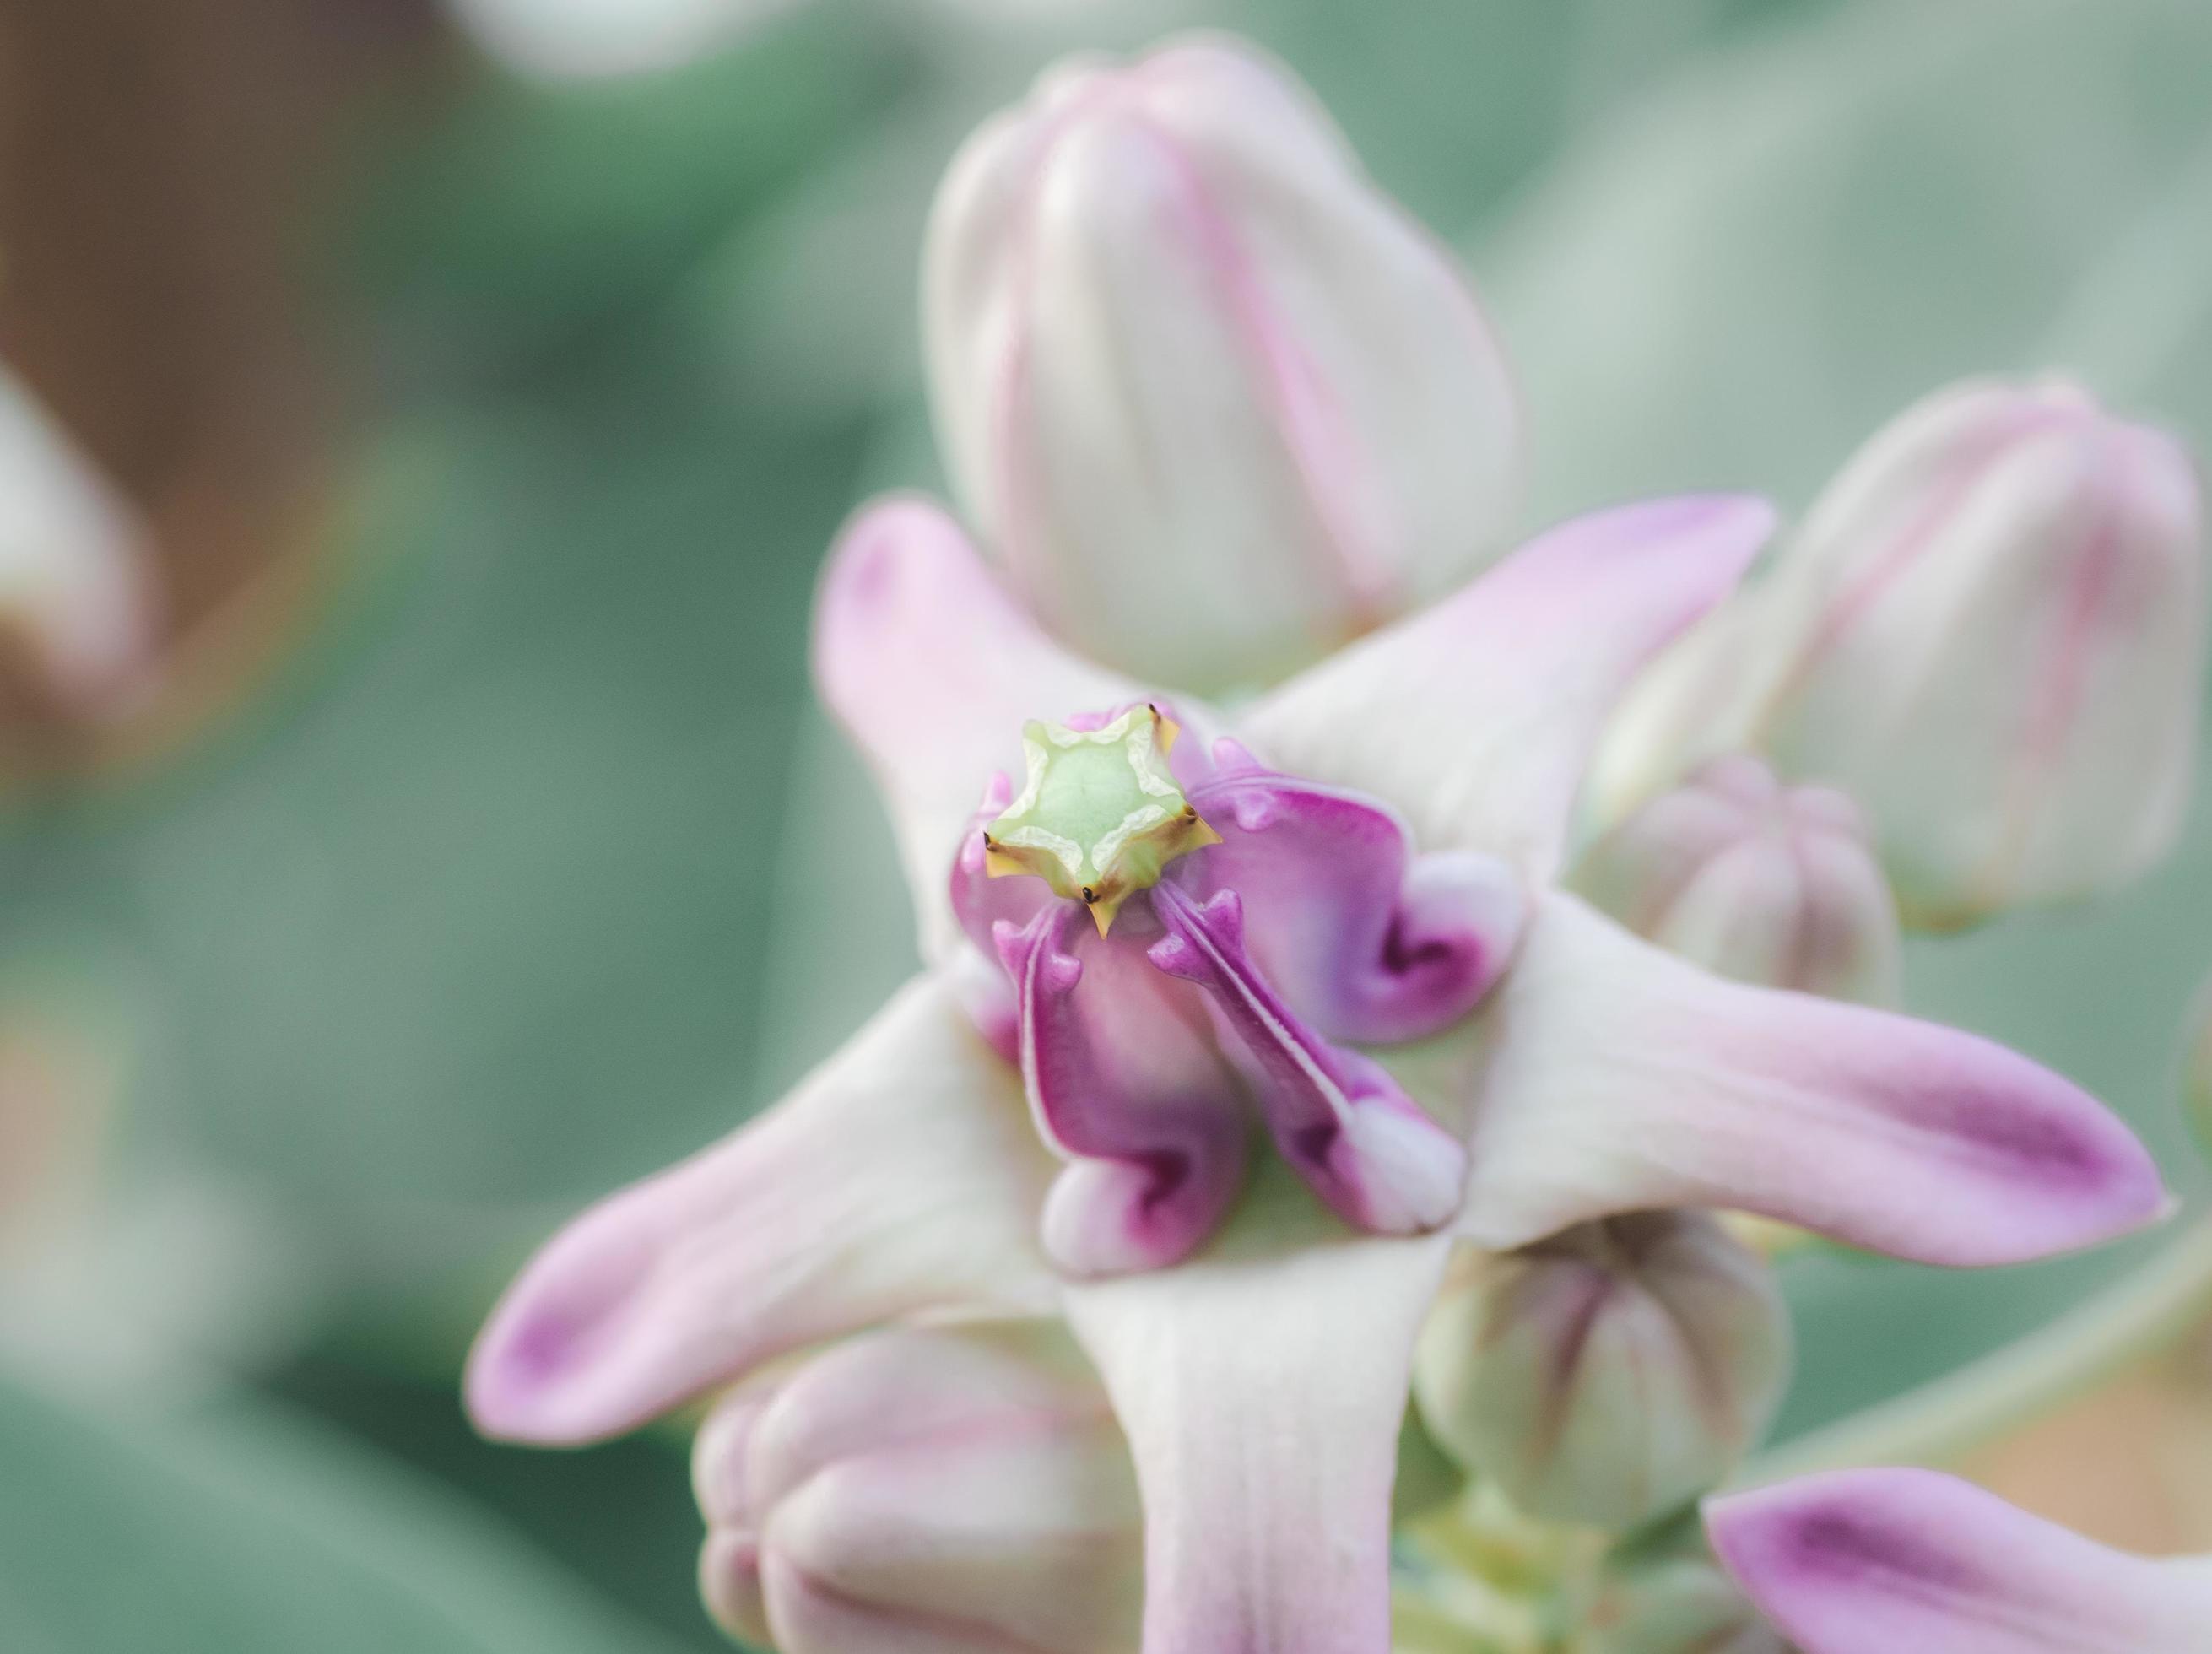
(902, 1174)
(1887, 1561)
(1261, 1386)
(1616, 1078)
(933, 669)
(1477, 717)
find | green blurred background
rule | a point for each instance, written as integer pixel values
(494, 386)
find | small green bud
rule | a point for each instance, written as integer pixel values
(1609, 1374)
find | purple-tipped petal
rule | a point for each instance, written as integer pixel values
(1616, 1078)
(902, 1174)
(932, 669)
(1896, 1561)
(1125, 1080)
(1364, 939)
(1477, 717)
(1343, 1123)
(1261, 1386)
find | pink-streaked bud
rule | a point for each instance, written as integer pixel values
(1763, 883)
(951, 1489)
(74, 571)
(1610, 1374)
(1992, 632)
(1215, 400)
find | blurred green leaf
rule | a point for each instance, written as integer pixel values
(248, 1532)
(1455, 108)
(463, 924)
(530, 216)
(1735, 282)
(619, 1515)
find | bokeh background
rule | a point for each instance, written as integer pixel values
(491, 377)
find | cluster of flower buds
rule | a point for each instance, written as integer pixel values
(1610, 1374)
(1177, 338)
(1990, 631)
(1272, 1051)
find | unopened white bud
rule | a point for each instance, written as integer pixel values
(1990, 632)
(1215, 400)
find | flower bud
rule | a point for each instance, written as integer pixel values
(1609, 1374)
(73, 567)
(1762, 883)
(1215, 400)
(957, 1487)
(1990, 632)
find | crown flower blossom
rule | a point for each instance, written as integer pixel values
(1374, 967)
(1231, 1029)
(1176, 333)
(1872, 1561)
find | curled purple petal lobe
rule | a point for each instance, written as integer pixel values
(1341, 1120)
(1368, 941)
(1123, 1080)
(1878, 1561)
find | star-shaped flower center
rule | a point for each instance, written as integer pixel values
(1100, 814)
